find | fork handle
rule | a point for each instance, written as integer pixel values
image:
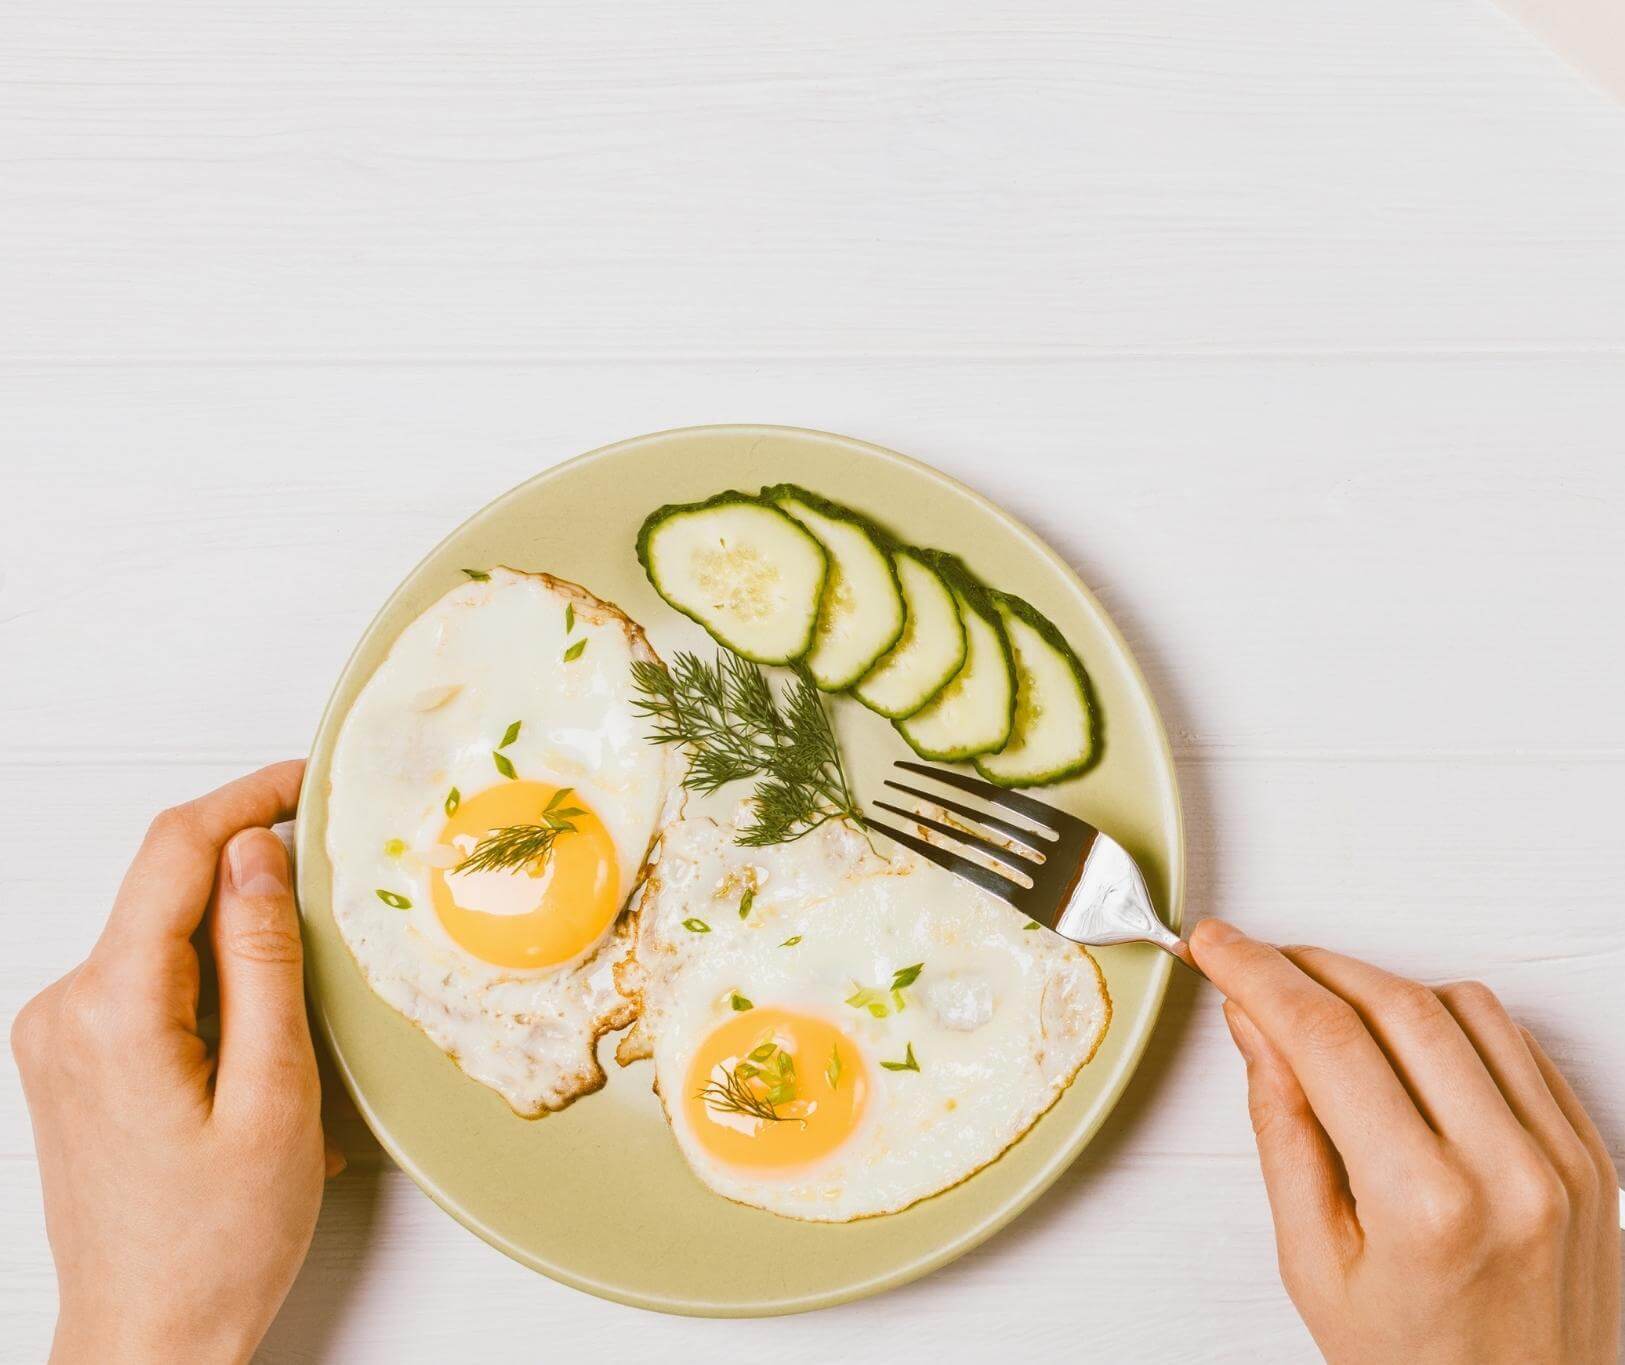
(1109, 903)
(1172, 944)
(1182, 950)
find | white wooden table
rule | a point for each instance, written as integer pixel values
(1300, 329)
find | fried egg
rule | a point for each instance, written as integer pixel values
(839, 1032)
(507, 705)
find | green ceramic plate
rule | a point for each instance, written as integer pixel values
(597, 1196)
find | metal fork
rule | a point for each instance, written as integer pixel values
(1065, 873)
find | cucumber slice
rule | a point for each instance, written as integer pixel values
(748, 573)
(974, 712)
(861, 613)
(1057, 728)
(930, 650)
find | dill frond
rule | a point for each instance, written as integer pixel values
(727, 716)
(730, 1093)
(524, 845)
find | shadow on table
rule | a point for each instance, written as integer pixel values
(307, 1328)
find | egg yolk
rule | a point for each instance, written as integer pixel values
(771, 1089)
(537, 915)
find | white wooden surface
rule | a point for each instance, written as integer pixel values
(1299, 328)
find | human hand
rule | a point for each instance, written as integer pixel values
(1439, 1193)
(181, 1180)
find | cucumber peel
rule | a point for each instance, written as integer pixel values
(747, 572)
(1057, 731)
(975, 711)
(861, 612)
(930, 650)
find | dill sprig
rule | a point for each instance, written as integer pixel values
(526, 846)
(732, 1094)
(726, 715)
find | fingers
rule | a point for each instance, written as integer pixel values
(1507, 1058)
(336, 1107)
(333, 1160)
(1563, 1094)
(1426, 1046)
(265, 1043)
(1349, 1083)
(166, 891)
(169, 882)
(1315, 1227)
(1594, 1200)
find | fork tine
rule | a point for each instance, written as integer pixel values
(1057, 820)
(983, 877)
(1009, 859)
(1027, 838)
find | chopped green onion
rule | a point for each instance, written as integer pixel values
(746, 901)
(478, 575)
(454, 798)
(740, 1003)
(569, 617)
(394, 901)
(510, 734)
(832, 1072)
(791, 941)
(907, 1064)
(868, 998)
(907, 976)
(504, 764)
(696, 926)
(763, 1052)
(574, 652)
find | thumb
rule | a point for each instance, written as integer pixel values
(1315, 1227)
(264, 1037)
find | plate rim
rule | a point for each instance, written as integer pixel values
(1144, 1024)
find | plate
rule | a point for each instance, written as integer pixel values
(598, 1196)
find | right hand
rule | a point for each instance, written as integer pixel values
(1439, 1193)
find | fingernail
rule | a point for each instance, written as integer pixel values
(1218, 931)
(258, 864)
(1243, 1031)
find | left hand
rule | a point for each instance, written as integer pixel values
(181, 1180)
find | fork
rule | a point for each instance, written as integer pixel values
(1068, 876)
(1056, 869)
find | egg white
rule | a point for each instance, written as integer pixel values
(1000, 1018)
(486, 654)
